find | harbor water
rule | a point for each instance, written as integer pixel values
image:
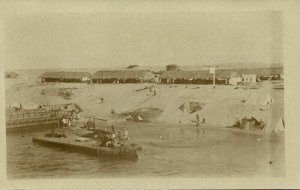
(168, 151)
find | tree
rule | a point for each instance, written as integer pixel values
(172, 67)
(131, 66)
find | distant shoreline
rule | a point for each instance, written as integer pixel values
(157, 67)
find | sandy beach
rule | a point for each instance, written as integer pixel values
(220, 107)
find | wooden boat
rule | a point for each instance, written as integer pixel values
(88, 145)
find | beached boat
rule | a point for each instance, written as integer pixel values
(79, 142)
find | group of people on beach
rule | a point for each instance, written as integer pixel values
(198, 120)
(89, 124)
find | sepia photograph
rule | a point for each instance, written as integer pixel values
(133, 94)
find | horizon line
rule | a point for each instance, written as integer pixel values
(235, 65)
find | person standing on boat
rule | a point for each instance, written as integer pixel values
(112, 129)
(85, 123)
(113, 135)
(118, 135)
(126, 134)
(69, 123)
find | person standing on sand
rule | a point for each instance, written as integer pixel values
(126, 134)
(85, 123)
(197, 119)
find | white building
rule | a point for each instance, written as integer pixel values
(235, 78)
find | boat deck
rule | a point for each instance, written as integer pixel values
(88, 147)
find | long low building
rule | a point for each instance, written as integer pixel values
(123, 76)
(274, 73)
(196, 77)
(222, 76)
(75, 77)
(185, 77)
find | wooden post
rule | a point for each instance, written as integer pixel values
(213, 71)
(214, 80)
(94, 123)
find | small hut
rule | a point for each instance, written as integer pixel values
(11, 75)
(228, 76)
(235, 79)
(68, 77)
(122, 76)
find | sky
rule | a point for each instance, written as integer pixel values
(92, 40)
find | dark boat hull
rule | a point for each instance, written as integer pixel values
(123, 152)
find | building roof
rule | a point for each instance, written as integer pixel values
(220, 74)
(66, 75)
(186, 74)
(123, 74)
(199, 74)
(262, 71)
(227, 73)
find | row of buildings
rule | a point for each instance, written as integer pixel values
(232, 77)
